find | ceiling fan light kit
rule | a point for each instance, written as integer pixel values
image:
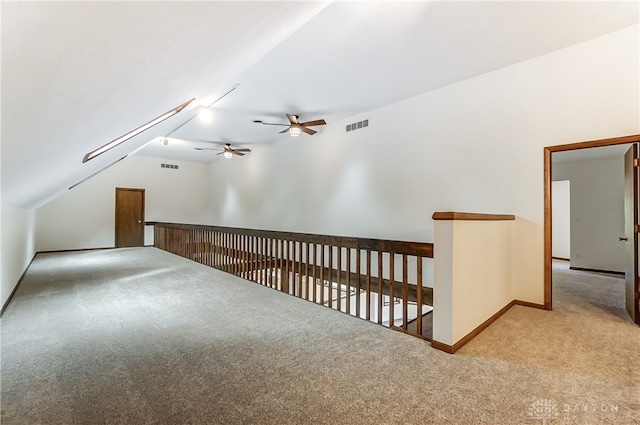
(294, 132)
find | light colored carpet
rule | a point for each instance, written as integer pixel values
(139, 336)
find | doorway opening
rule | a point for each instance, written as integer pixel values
(579, 148)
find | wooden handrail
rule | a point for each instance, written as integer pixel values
(423, 249)
(339, 272)
(451, 215)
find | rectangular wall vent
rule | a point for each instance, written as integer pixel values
(172, 166)
(358, 125)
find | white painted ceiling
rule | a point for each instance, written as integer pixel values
(76, 75)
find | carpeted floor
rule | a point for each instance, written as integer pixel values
(139, 336)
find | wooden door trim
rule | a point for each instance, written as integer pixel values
(116, 210)
(547, 197)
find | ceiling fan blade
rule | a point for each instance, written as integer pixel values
(219, 153)
(235, 152)
(316, 122)
(273, 123)
(206, 149)
(285, 130)
(293, 119)
(308, 130)
(242, 150)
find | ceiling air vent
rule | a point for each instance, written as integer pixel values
(357, 125)
(172, 166)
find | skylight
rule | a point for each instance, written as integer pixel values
(112, 144)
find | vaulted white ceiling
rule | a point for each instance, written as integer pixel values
(76, 75)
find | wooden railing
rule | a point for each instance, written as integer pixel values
(373, 279)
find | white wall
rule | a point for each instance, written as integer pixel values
(85, 216)
(597, 212)
(561, 219)
(474, 146)
(17, 248)
(473, 275)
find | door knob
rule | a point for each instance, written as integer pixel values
(139, 221)
(622, 238)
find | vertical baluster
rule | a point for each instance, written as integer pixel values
(241, 255)
(198, 246)
(260, 260)
(322, 275)
(204, 247)
(236, 255)
(204, 256)
(265, 255)
(358, 286)
(300, 269)
(331, 276)
(285, 265)
(368, 296)
(315, 274)
(247, 257)
(229, 253)
(250, 257)
(270, 263)
(265, 250)
(274, 263)
(348, 269)
(223, 252)
(207, 235)
(220, 251)
(254, 259)
(279, 256)
(297, 247)
(419, 295)
(280, 265)
(285, 275)
(274, 271)
(216, 250)
(212, 254)
(265, 261)
(192, 244)
(339, 280)
(307, 284)
(405, 293)
(292, 268)
(233, 253)
(392, 260)
(380, 287)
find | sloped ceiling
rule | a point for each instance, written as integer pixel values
(76, 75)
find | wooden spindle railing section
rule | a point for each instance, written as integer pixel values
(373, 279)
